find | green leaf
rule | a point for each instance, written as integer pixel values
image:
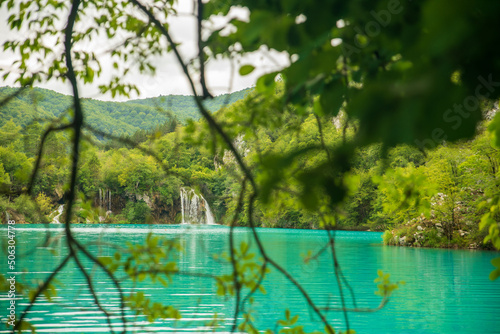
(31, 295)
(266, 84)
(105, 260)
(495, 274)
(329, 329)
(243, 247)
(26, 326)
(246, 69)
(220, 290)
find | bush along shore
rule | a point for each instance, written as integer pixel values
(460, 230)
(424, 233)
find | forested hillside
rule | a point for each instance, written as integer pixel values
(115, 118)
(430, 198)
(184, 107)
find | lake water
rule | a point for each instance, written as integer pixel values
(446, 291)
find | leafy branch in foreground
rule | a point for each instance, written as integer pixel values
(154, 260)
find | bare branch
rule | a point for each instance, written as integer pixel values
(236, 282)
(357, 310)
(200, 106)
(93, 293)
(278, 267)
(40, 290)
(111, 276)
(331, 238)
(206, 93)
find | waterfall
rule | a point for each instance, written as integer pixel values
(105, 199)
(104, 203)
(209, 217)
(194, 208)
(182, 204)
(59, 211)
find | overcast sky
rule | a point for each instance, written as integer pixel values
(169, 78)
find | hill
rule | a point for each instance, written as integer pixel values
(184, 107)
(117, 118)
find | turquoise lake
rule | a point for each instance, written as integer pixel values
(446, 291)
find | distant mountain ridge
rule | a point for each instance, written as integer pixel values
(186, 106)
(116, 118)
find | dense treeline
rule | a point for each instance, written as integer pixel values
(430, 198)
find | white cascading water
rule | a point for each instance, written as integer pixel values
(105, 199)
(209, 217)
(182, 204)
(103, 202)
(59, 210)
(195, 209)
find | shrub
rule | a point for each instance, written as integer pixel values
(4, 203)
(387, 237)
(27, 207)
(44, 203)
(137, 212)
(432, 239)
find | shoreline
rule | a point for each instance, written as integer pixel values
(454, 244)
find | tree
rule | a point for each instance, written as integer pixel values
(443, 169)
(89, 175)
(9, 132)
(403, 73)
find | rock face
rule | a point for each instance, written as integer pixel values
(241, 147)
(145, 198)
(339, 120)
(491, 113)
(402, 241)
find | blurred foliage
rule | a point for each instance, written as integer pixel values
(154, 260)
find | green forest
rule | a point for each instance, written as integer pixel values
(114, 118)
(424, 198)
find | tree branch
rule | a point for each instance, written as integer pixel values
(200, 106)
(206, 93)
